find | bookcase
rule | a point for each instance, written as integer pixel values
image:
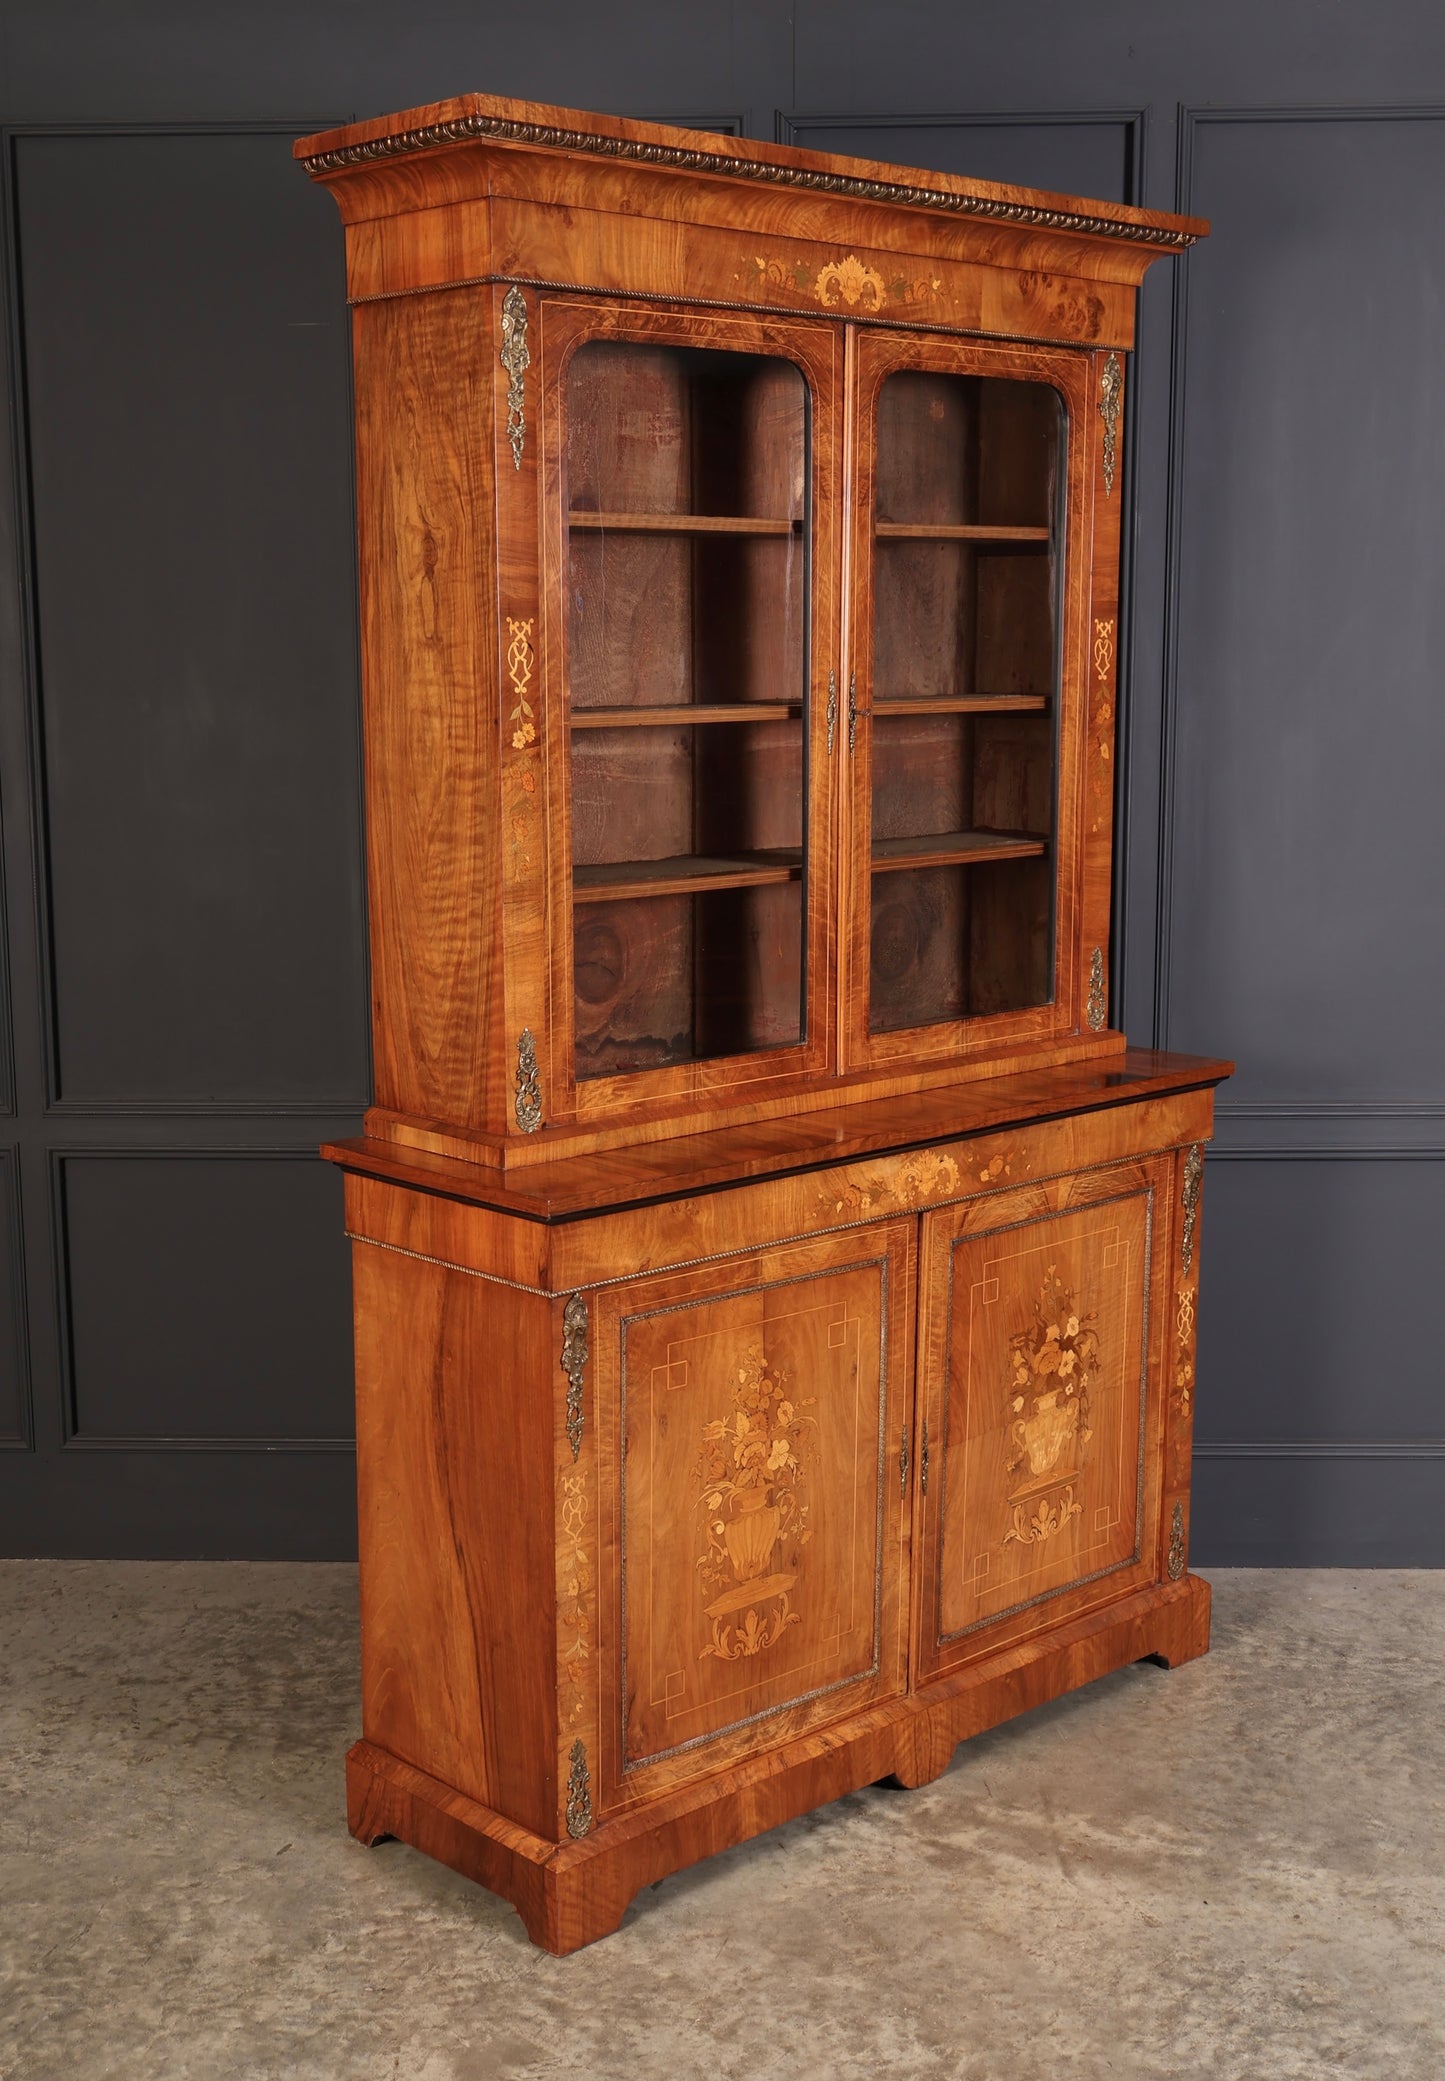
(776, 1282)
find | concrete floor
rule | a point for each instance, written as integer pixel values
(1234, 1872)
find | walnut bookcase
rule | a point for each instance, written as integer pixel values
(775, 1282)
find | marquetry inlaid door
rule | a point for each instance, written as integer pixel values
(751, 1414)
(1040, 1314)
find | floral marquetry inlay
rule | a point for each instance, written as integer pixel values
(1103, 647)
(1184, 1332)
(846, 284)
(1049, 1518)
(521, 661)
(752, 1491)
(1051, 1366)
(850, 282)
(575, 1586)
(925, 1177)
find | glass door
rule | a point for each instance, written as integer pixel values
(957, 657)
(690, 493)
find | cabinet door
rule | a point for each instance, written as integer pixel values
(753, 1581)
(1039, 1343)
(971, 552)
(689, 520)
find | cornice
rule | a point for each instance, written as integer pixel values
(508, 130)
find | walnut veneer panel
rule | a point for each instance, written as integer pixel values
(455, 1530)
(424, 433)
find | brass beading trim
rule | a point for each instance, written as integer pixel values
(504, 130)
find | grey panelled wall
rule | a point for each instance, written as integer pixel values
(197, 714)
(181, 974)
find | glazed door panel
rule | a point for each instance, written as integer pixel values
(970, 549)
(1039, 1314)
(752, 1414)
(690, 544)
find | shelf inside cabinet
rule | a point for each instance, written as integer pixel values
(689, 875)
(686, 712)
(947, 531)
(684, 524)
(955, 848)
(960, 704)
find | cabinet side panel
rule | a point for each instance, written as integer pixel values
(425, 514)
(454, 1447)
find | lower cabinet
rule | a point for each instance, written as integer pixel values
(854, 1463)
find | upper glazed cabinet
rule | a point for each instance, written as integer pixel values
(740, 632)
(762, 739)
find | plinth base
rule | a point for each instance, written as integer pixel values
(570, 1893)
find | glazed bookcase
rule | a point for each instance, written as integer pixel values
(776, 1282)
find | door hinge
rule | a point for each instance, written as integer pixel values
(574, 1365)
(832, 710)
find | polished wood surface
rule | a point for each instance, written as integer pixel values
(775, 1281)
(455, 1538)
(681, 1166)
(434, 871)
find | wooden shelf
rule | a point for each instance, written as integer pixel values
(685, 712)
(940, 531)
(683, 524)
(962, 704)
(687, 876)
(955, 849)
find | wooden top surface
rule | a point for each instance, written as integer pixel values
(486, 118)
(578, 1186)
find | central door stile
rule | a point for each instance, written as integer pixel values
(852, 637)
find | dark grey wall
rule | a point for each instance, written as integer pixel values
(183, 985)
